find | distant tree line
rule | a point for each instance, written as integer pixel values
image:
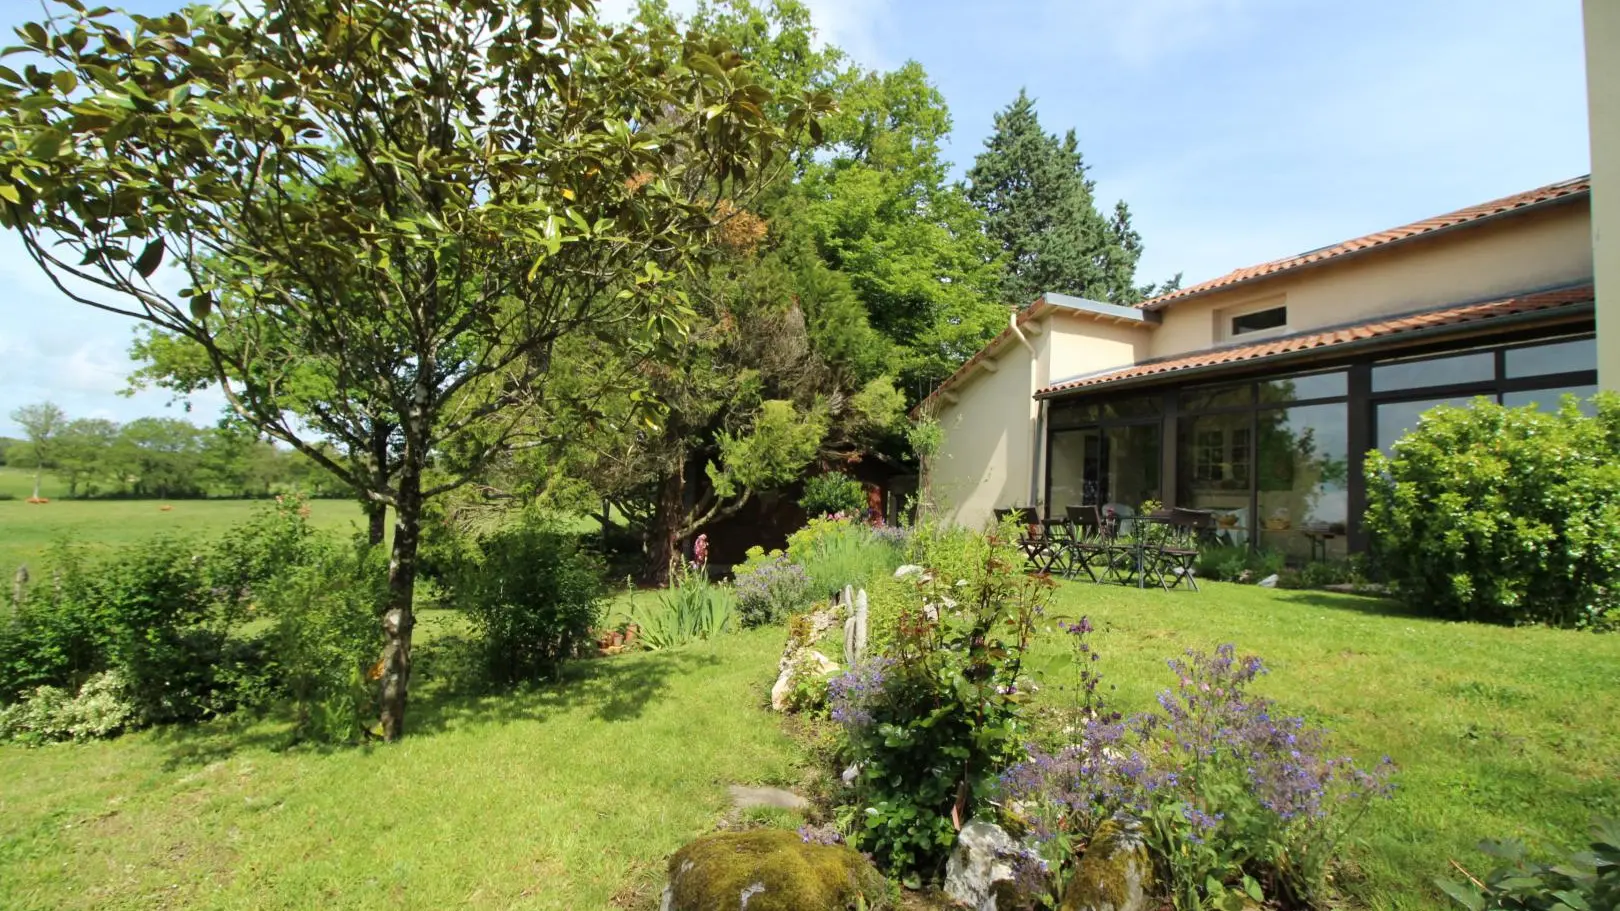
(157, 457)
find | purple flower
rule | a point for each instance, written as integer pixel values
(851, 695)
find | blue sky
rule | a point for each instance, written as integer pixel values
(1238, 130)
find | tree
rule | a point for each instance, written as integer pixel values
(42, 424)
(83, 453)
(1039, 209)
(394, 209)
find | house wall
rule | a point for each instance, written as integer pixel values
(1077, 345)
(987, 457)
(1602, 75)
(1527, 252)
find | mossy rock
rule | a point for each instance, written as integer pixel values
(771, 870)
(1116, 873)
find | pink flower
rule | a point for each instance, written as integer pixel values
(700, 549)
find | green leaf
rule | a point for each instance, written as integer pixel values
(65, 81)
(1467, 896)
(150, 258)
(9, 193)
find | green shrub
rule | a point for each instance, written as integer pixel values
(324, 634)
(1504, 515)
(1239, 563)
(931, 724)
(833, 494)
(102, 708)
(840, 552)
(770, 591)
(1587, 881)
(532, 595)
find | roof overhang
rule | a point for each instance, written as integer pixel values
(1322, 346)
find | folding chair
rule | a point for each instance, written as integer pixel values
(1088, 549)
(1178, 554)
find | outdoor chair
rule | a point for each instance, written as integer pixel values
(1175, 553)
(1088, 547)
(1041, 550)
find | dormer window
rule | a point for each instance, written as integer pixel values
(1259, 321)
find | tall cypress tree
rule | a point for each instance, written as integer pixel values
(1039, 208)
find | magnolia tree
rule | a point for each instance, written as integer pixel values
(384, 213)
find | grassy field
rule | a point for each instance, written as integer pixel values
(28, 530)
(1499, 733)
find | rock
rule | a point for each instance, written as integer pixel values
(745, 798)
(850, 774)
(803, 662)
(981, 859)
(910, 569)
(771, 870)
(1269, 581)
(1115, 874)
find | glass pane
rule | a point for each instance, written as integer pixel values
(1130, 467)
(1479, 367)
(1076, 470)
(1259, 320)
(1212, 470)
(1559, 357)
(1218, 397)
(1141, 407)
(1304, 475)
(1314, 386)
(1073, 414)
(1396, 418)
(1551, 399)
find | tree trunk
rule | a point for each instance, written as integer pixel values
(664, 535)
(37, 471)
(377, 520)
(398, 618)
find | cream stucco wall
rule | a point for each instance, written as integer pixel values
(986, 459)
(1603, 109)
(1535, 250)
(991, 455)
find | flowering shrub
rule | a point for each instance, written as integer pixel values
(1506, 515)
(1236, 798)
(931, 724)
(771, 590)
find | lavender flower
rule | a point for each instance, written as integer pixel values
(851, 695)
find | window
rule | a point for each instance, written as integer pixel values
(1260, 320)
(1302, 388)
(1218, 397)
(1459, 369)
(1560, 357)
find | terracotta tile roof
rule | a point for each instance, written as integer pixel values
(1328, 338)
(1496, 207)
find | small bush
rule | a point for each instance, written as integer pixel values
(102, 708)
(833, 494)
(532, 595)
(1505, 515)
(1237, 563)
(325, 634)
(840, 552)
(769, 592)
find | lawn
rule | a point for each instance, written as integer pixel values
(571, 797)
(1499, 732)
(28, 530)
(566, 798)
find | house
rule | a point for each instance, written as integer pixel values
(1254, 394)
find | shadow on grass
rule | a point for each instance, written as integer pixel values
(612, 690)
(1375, 605)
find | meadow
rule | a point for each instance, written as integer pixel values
(29, 530)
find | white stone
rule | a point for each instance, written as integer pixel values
(910, 569)
(1269, 581)
(977, 863)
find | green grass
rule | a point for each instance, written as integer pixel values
(27, 531)
(572, 796)
(566, 798)
(1499, 732)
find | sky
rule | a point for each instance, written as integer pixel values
(1239, 131)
